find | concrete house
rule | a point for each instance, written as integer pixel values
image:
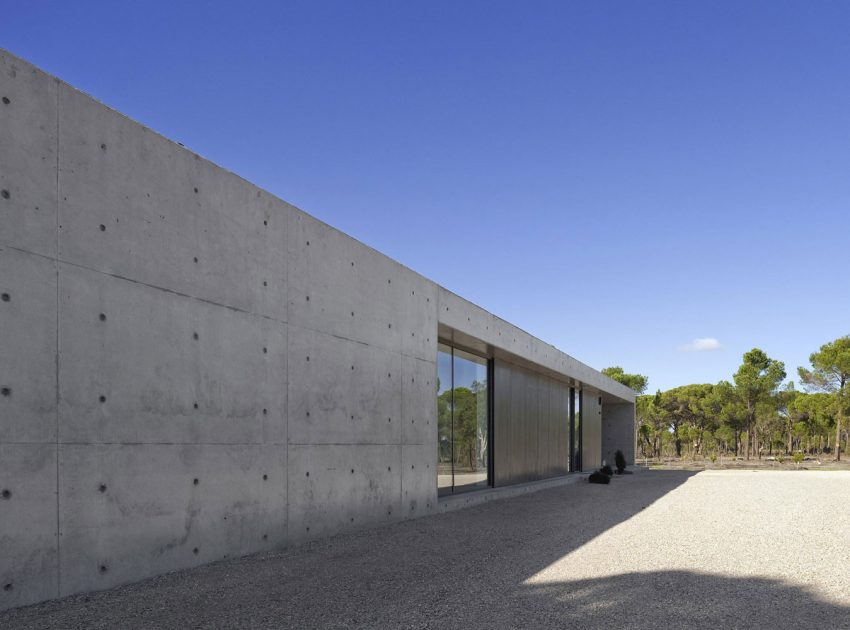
(193, 369)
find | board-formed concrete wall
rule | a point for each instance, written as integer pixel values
(191, 368)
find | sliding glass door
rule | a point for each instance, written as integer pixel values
(463, 412)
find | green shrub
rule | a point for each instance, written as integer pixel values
(713, 457)
(798, 457)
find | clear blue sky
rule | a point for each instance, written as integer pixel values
(617, 178)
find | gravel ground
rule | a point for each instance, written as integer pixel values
(658, 549)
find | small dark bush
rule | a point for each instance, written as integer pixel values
(606, 470)
(620, 461)
(599, 477)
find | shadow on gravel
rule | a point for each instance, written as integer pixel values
(678, 599)
(465, 568)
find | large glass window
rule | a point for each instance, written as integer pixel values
(577, 444)
(463, 413)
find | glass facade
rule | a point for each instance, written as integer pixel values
(577, 431)
(463, 413)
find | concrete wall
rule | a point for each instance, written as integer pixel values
(194, 369)
(473, 325)
(618, 431)
(591, 429)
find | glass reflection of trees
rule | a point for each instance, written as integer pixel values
(463, 418)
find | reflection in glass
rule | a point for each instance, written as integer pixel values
(577, 430)
(463, 420)
(470, 419)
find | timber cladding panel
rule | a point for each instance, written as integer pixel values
(531, 425)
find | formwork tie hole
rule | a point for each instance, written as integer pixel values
(102, 488)
(7, 587)
(195, 336)
(195, 481)
(5, 297)
(104, 568)
(102, 399)
(102, 227)
(265, 477)
(6, 494)
(102, 317)
(5, 194)
(6, 100)
(103, 147)
(308, 473)
(6, 392)
(195, 551)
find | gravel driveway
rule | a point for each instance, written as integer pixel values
(658, 549)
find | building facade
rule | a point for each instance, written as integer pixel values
(193, 369)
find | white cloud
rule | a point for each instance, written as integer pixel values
(701, 344)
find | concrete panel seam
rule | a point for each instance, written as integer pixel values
(58, 389)
(359, 342)
(287, 257)
(26, 251)
(235, 309)
(357, 444)
(192, 443)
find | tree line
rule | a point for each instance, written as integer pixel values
(752, 415)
